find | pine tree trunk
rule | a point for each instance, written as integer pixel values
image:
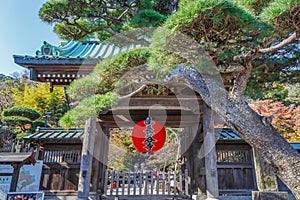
(237, 114)
(277, 152)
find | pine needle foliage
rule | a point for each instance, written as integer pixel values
(148, 18)
(16, 120)
(98, 91)
(89, 107)
(253, 6)
(21, 112)
(107, 73)
(214, 24)
(220, 22)
(282, 14)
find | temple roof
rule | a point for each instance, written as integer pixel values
(67, 61)
(56, 134)
(75, 49)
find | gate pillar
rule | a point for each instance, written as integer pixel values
(103, 144)
(212, 190)
(193, 161)
(86, 159)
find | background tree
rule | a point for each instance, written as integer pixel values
(6, 94)
(123, 156)
(239, 38)
(7, 139)
(17, 90)
(285, 118)
(38, 97)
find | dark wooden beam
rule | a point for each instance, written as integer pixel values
(175, 121)
(169, 110)
(15, 177)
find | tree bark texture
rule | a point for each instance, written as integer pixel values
(237, 114)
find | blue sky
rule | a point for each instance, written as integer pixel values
(22, 32)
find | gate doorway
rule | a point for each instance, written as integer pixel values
(177, 113)
(236, 173)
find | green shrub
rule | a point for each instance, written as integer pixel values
(16, 120)
(21, 112)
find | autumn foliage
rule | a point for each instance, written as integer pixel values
(286, 119)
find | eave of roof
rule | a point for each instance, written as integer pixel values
(295, 145)
(226, 134)
(56, 134)
(17, 158)
(59, 134)
(74, 52)
(30, 60)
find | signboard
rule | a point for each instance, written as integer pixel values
(6, 169)
(5, 182)
(148, 136)
(25, 195)
(30, 177)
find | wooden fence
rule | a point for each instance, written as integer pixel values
(147, 183)
(69, 156)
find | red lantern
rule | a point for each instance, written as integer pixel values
(148, 136)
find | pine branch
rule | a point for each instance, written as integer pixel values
(279, 45)
(126, 38)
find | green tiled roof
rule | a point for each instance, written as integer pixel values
(59, 134)
(226, 134)
(295, 145)
(75, 49)
(56, 134)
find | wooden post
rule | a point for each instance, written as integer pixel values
(100, 143)
(86, 159)
(194, 162)
(98, 154)
(22, 149)
(37, 152)
(15, 177)
(104, 148)
(212, 190)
